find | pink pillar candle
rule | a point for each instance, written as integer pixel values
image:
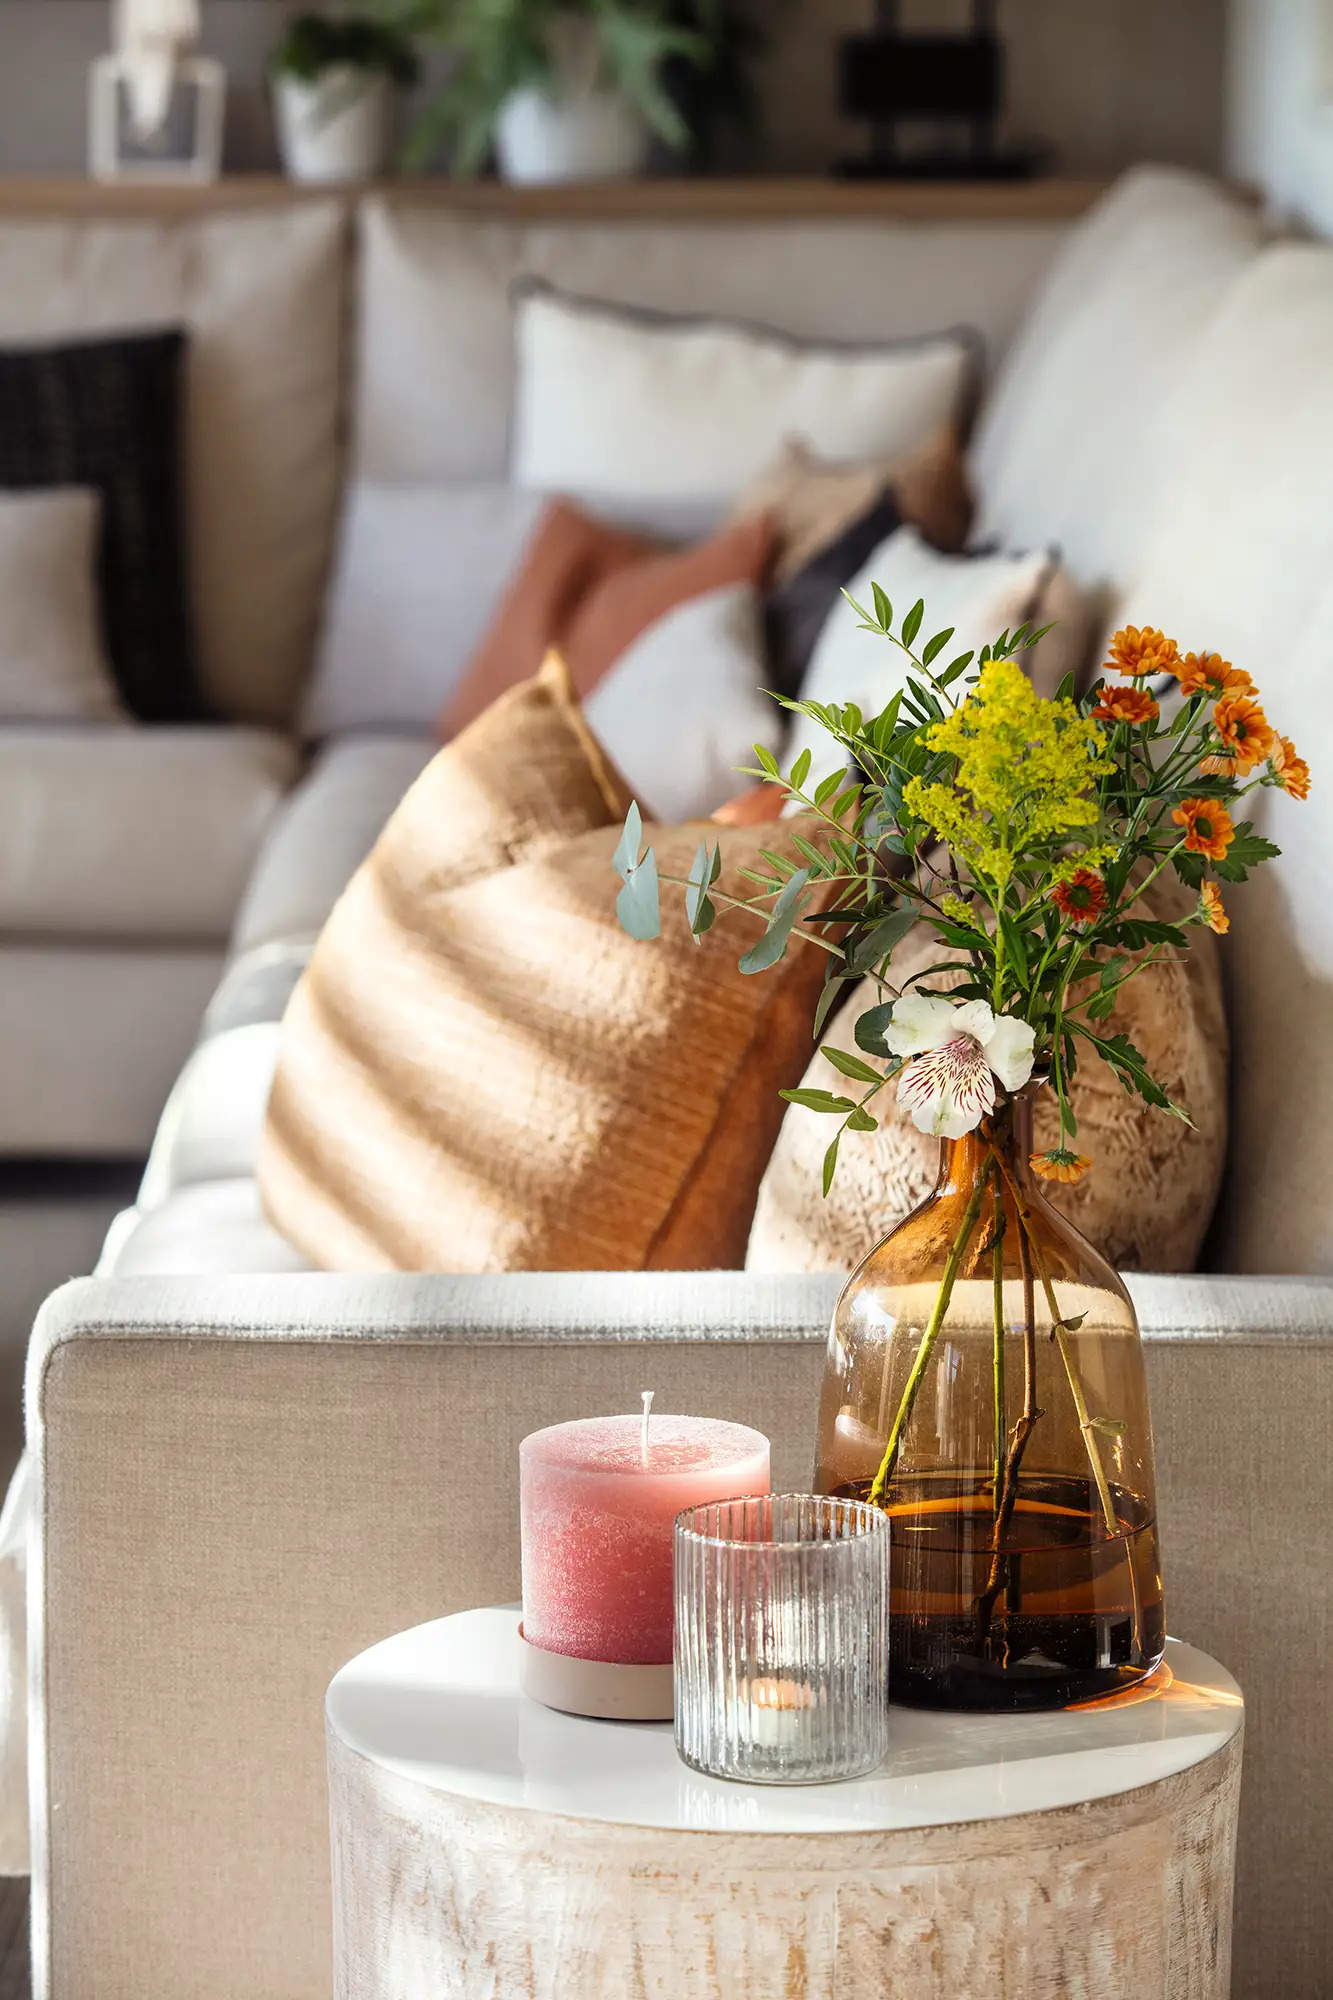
(598, 1510)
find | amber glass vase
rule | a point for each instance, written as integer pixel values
(985, 1386)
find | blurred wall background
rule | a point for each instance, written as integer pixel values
(1280, 104)
(1106, 81)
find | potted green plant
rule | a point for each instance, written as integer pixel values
(563, 90)
(333, 78)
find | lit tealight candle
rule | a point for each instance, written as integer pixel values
(775, 1711)
(599, 1499)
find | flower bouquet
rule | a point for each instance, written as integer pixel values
(985, 1382)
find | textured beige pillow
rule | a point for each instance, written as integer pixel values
(481, 1072)
(1149, 1198)
(813, 501)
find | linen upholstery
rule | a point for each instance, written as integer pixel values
(573, 1100)
(261, 298)
(420, 575)
(1275, 1212)
(436, 363)
(1078, 430)
(242, 1483)
(1239, 534)
(92, 1037)
(321, 834)
(1146, 1204)
(141, 835)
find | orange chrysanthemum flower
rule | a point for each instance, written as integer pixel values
(1209, 673)
(1292, 772)
(1059, 1164)
(1082, 898)
(1208, 828)
(1214, 914)
(1136, 652)
(1129, 704)
(1246, 733)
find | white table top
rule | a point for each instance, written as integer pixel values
(440, 1706)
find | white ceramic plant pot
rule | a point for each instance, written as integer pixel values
(575, 129)
(590, 137)
(335, 129)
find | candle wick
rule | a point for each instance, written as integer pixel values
(647, 1395)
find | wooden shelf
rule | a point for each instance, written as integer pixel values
(685, 200)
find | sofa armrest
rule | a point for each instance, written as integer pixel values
(240, 1483)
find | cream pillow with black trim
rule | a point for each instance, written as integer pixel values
(615, 405)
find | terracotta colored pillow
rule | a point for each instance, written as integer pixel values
(1154, 1181)
(622, 606)
(569, 555)
(481, 1072)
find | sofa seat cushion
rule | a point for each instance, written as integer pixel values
(322, 834)
(91, 1038)
(212, 1229)
(122, 833)
(1074, 434)
(1239, 531)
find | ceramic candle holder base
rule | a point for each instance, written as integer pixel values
(598, 1688)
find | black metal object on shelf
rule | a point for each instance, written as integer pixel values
(952, 84)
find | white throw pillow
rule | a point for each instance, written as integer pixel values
(421, 572)
(682, 709)
(52, 664)
(616, 404)
(981, 596)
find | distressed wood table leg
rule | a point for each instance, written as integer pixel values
(444, 1898)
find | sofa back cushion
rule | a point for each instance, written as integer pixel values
(260, 297)
(1276, 1214)
(1077, 428)
(436, 366)
(1238, 526)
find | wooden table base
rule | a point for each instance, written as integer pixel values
(439, 1897)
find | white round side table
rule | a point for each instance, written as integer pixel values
(486, 1848)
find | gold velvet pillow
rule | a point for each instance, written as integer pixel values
(1154, 1181)
(481, 1072)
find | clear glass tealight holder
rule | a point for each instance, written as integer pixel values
(781, 1648)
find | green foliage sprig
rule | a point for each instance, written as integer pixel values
(1023, 831)
(313, 44)
(643, 50)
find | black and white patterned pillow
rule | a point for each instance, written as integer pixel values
(108, 414)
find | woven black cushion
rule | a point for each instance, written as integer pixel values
(795, 612)
(108, 414)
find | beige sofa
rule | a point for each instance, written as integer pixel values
(238, 1481)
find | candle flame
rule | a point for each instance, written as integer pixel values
(647, 1395)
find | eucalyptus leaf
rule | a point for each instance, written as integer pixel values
(626, 857)
(773, 944)
(638, 906)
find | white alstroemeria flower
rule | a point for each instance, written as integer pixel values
(960, 1052)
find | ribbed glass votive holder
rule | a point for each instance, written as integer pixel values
(781, 1646)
